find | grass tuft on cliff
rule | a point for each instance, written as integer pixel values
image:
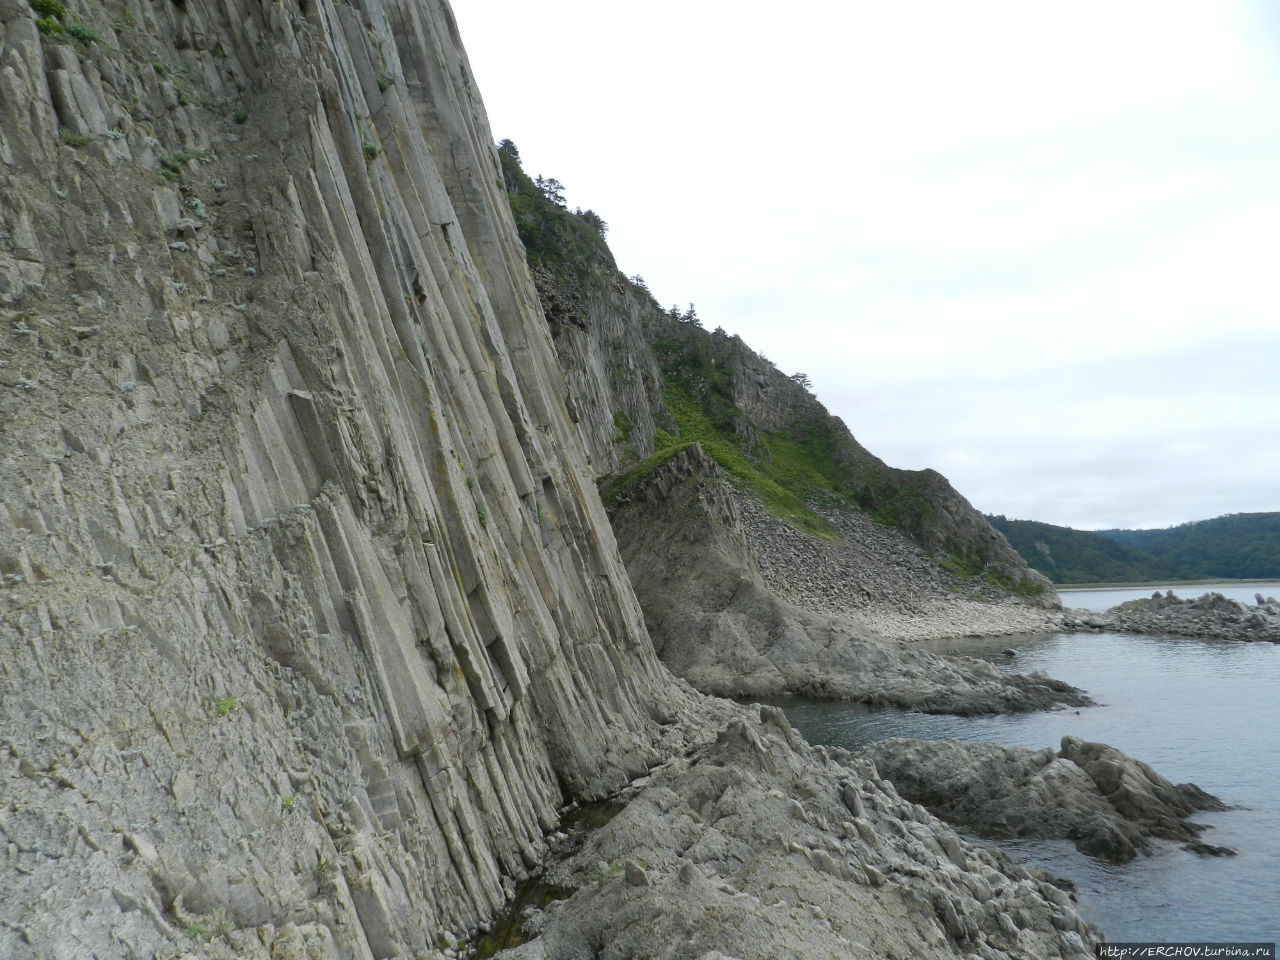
(780, 484)
(612, 487)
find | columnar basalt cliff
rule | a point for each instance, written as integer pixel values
(312, 619)
(302, 566)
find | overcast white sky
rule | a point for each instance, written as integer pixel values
(1033, 246)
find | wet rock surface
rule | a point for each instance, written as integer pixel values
(1211, 616)
(1109, 804)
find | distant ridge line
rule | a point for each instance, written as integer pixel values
(1236, 546)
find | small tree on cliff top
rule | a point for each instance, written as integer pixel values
(551, 188)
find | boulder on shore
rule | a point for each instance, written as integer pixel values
(1107, 802)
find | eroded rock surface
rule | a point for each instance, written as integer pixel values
(1107, 802)
(311, 619)
(758, 846)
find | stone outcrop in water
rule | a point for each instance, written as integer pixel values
(1105, 801)
(1211, 616)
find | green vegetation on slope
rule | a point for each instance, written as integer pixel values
(1243, 546)
(786, 469)
(781, 482)
(805, 457)
(568, 243)
(1076, 556)
(612, 487)
(1239, 546)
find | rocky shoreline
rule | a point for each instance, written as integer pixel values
(877, 576)
(1211, 616)
(757, 845)
(312, 620)
(730, 596)
(1108, 803)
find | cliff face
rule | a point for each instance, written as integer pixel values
(770, 415)
(310, 612)
(643, 381)
(311, 617)
(614, 384)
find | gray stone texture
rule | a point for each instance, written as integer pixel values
(1108, 803)
(757, 846)
(310, 616)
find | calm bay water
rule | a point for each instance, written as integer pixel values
(1195, 711)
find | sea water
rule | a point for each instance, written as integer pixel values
(1200, 712)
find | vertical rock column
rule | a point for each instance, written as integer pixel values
(310, 616)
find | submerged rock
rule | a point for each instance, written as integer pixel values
(1105, 801)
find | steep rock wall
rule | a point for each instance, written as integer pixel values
(757, 398)
(636, 375)
(614, 385)
(311, 618)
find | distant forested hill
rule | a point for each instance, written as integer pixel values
(1065, 555)
(1239, 545)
